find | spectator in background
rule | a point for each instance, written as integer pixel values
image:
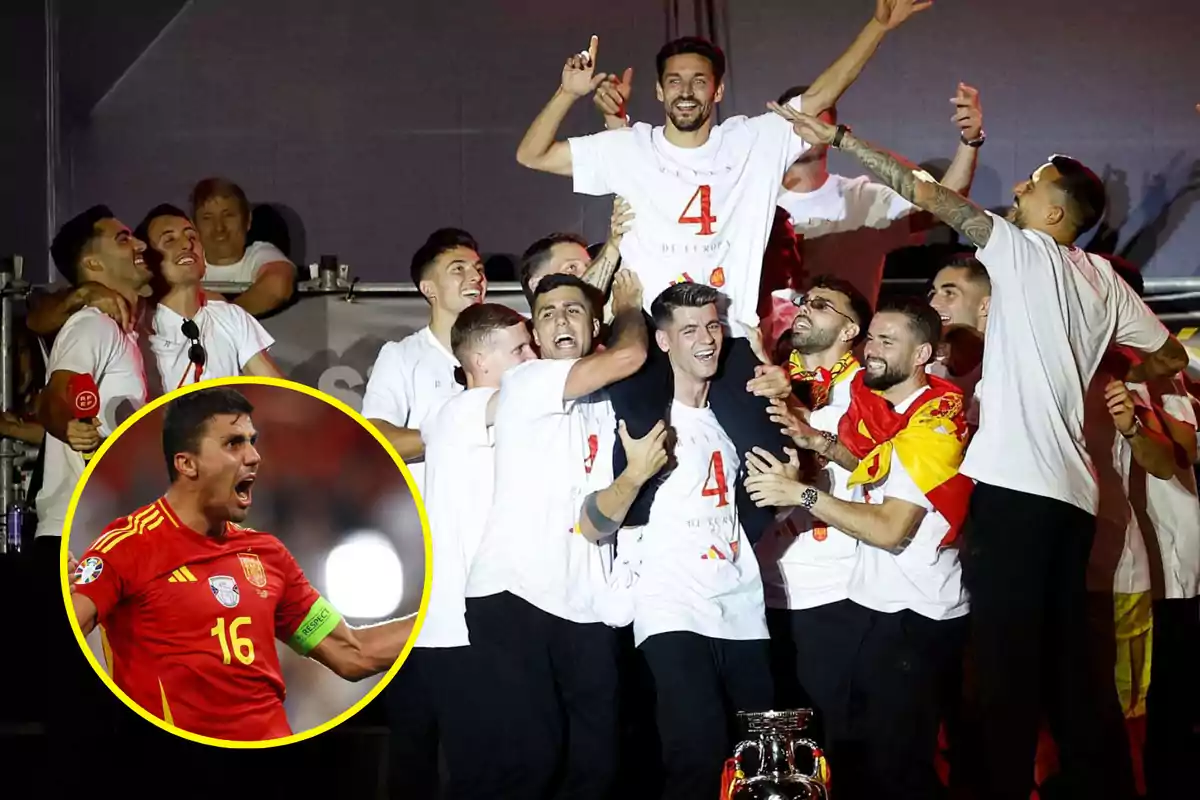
(223, 216)
(847, 226)
(193, 338)
(961, 295)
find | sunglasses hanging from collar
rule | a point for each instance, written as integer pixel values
(196, 353)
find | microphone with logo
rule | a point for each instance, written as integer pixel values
(84, 396)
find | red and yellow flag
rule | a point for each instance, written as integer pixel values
(930, 439)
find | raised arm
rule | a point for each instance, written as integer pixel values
(605, 510)
(834, 81)
(85, 612)
(968, 116)
(539, 149)
(908, 180)
(628, 351)
(600, 272)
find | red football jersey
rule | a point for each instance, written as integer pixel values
(189, 621)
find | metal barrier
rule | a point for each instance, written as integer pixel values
(329, 336)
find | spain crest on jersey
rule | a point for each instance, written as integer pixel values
(255, 573)
(225, 589)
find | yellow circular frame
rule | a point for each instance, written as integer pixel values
(247, 381)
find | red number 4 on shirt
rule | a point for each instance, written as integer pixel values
(705, 220)
(716, 476)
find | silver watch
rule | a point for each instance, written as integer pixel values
(808, 499)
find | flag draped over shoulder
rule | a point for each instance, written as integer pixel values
(929, 438)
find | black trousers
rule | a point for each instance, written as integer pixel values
(645, 398)
(699, 685)
(553, 686)
(433, 705)
(878, 684)
(1024, 563)
(1173, 702)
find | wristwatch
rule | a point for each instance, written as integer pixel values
(830, 441)
(976, 142)
(808, 499)
(838, 135)
(1137, 428)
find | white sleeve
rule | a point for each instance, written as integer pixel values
(85, 345)
(779, 129)
(535, 389)
(466, 426)
(1137, 327)
(1009, 253)
(261, 254)
(595, 160)
(883, 204)
(1179, 407)
(250, 336)
(901, 486)
(386, 396)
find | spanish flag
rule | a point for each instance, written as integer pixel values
(930, 439)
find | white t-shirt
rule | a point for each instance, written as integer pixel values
(550, 454)
(411, 380)
(245, 271)
(925, 578)
(230, 335)
(806, 563)
(702, 214)
(1054, 312)
(88, 344)
(849, 225)
(1168, 508)
(459, 476)
(696, 571)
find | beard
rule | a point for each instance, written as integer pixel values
(813, 340)
(703, 112)
(885, 380)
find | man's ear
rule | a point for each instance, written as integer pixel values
(664, 343)
(185, 465)
(850, 332)
(428, 290)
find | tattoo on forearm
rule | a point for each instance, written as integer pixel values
(950, 207)
(600, 272)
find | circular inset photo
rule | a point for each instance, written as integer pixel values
(246, 562)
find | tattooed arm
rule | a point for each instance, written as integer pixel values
(918, 188)
(909, 181)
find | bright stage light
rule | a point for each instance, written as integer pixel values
(364, 577)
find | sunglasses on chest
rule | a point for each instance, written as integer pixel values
(196, 353)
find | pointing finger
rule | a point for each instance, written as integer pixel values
(593, 46)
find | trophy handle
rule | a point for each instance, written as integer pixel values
(749, 744)
(819, 772)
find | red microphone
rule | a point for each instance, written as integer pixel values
(85, 400)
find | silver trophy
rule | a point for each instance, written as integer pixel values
(764, 765)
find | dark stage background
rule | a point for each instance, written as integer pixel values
(373, 123)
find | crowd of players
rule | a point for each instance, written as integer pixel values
(663, 499)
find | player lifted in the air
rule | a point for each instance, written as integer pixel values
(190, 604)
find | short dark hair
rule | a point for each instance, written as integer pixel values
(477, 322)
(560, 280)
(681, 295)
(440, 241)
(1084, 190)
(860, 306)
(924, 321)
(538, 253)
(796, 91)
(74, 238)
(695, 46)
(209, 188)
(186, 418)
(976, 271)
(1130, 272)
(142, 231)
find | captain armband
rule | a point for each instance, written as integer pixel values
(602, 523)
(320, 621)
